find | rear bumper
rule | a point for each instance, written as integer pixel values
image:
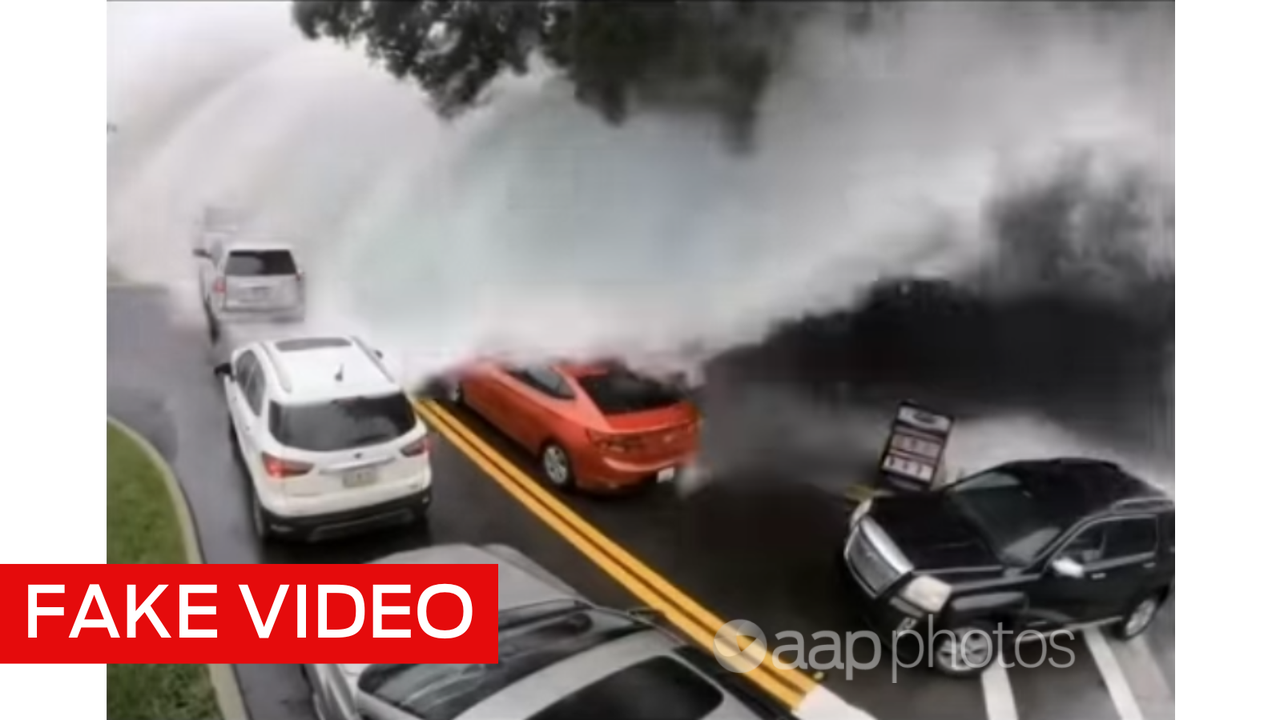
(401, 511)
(295, 313)
(602, 474)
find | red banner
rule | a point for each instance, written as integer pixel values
(248, 613)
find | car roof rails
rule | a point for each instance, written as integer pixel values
(281, 375)
(1143, 503)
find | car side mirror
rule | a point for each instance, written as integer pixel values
(1066, 567)
(223, 370)
(202, 254)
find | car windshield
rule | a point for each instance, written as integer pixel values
(342, 424)
(260, 263)
(660, 687)
(530, 639)
(618, 391)
(1010, 517)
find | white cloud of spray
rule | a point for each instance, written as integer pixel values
(531, 225)
(534, 224)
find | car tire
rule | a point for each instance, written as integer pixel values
(421, 520)
(233, 440)
(969, 663)
(1138, 617)
(556, 466)
(261, 528)
(211, 324)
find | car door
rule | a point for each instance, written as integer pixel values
(479, 386)
(1118, 559)
(1056, 600)
(1128, 567)
(244, 401)
(529, 394)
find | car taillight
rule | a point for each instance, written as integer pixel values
(220, 285)
(280, 468)
(615, 443)
(417, 447)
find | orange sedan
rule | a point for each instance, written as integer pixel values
(595, 427)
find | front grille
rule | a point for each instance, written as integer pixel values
(867, 563)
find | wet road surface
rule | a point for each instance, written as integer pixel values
(760, 547)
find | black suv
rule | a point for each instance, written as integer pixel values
(1039, 545)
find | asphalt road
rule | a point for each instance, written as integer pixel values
(756, 546)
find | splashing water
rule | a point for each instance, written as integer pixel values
(530, 225)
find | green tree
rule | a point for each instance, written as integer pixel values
(717, 53)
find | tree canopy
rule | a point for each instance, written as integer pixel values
(719, 53)
(716, 53)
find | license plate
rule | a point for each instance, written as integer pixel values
(667, 475)
(360, 478)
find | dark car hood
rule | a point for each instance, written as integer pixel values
(933, 536)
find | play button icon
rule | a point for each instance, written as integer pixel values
(740, 646)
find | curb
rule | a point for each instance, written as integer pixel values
(226, 688)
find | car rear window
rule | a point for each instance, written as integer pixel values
(258, 263)
(529, 640)
(619, 391)
(342, 424)
(659, 688)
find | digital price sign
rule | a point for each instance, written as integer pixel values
(917, 442)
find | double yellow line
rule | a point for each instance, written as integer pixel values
(787, 685)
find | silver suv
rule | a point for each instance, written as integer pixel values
(560, 657)
(250, 281)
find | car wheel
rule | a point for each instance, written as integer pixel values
(963, 651)
(1138, 619)
(232, 439)
(556, 466)
(211, 324)
(260, 526)
(422, 519)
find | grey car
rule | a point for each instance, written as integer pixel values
(560, 657)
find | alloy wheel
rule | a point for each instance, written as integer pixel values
(555, 463)
(1141, 617)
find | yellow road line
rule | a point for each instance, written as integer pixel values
(787, 685)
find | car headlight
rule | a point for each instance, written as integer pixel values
(927, 593)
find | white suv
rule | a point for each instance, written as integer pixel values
(328, 438)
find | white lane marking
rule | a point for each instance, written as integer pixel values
(1121, 694)
(822, 704)
(997, 692)
(1150, 685)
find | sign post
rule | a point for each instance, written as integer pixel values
(912, 457)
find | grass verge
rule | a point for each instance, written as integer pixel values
(142, 527)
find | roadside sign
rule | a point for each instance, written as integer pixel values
(912, 457)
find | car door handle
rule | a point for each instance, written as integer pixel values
(1148, 565)
(1097, 575)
